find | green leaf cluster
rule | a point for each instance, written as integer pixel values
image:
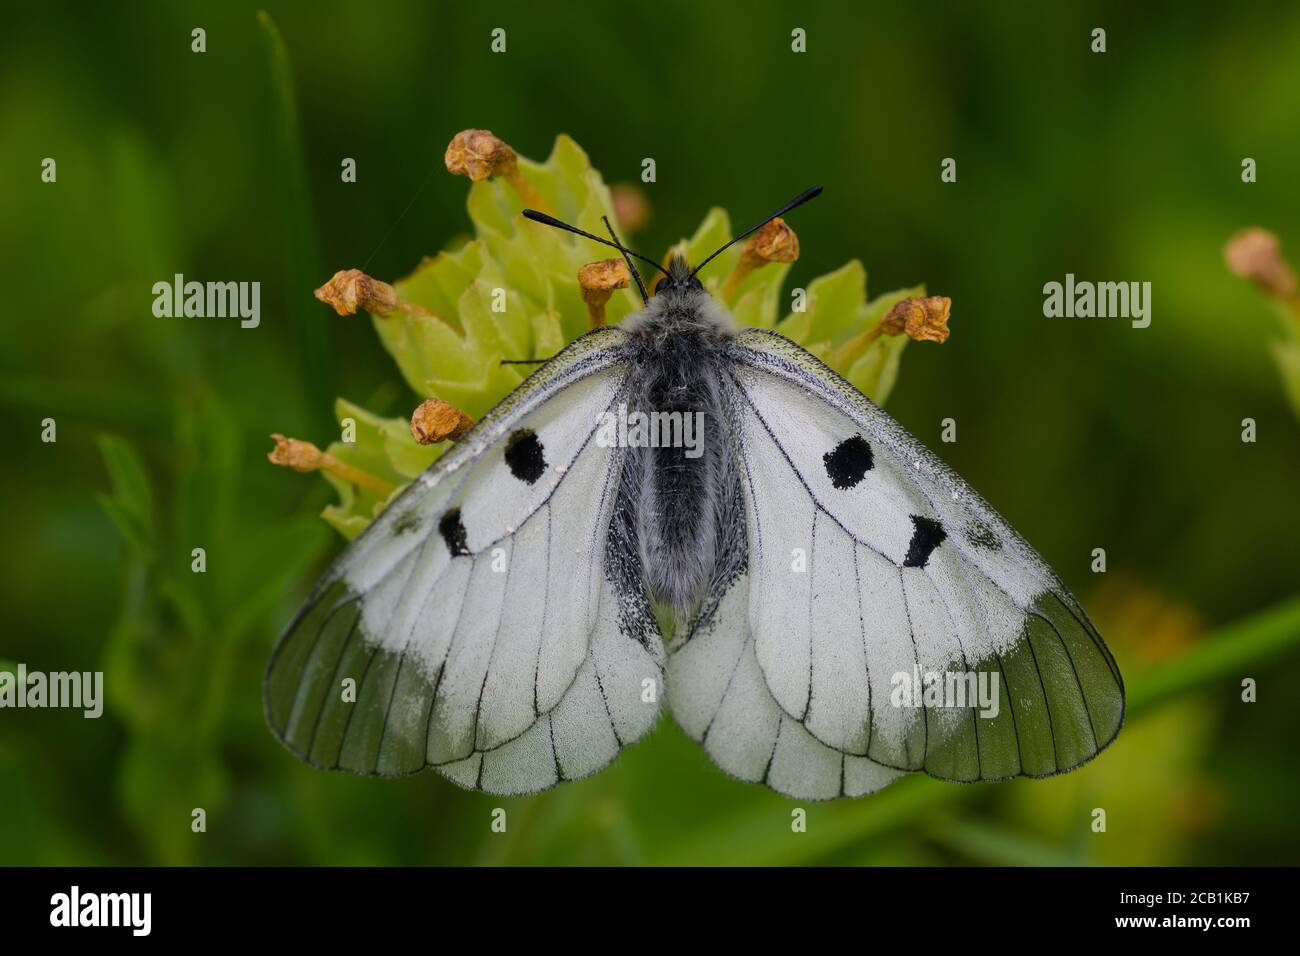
(449, 341)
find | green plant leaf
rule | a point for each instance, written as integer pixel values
(130, 506)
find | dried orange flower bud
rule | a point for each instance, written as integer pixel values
(352, 289)
(1256, 254)
(924, 319)
(631, 207)
(291, 453)
(775, 242)
(597, 281)
(480, 155)
(435, 420)
(303, 456)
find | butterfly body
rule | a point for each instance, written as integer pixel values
(687, 520)
(499, 618)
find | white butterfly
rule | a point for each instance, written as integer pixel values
(821, 566)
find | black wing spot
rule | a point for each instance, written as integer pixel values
(981, 536)
(453, 532)
(524, 455)
(927, 534)
(849, 463)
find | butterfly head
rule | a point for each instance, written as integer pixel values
(679, 278)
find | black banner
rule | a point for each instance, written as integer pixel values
(342, 905)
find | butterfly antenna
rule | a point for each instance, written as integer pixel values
(546, 220)
(798, 200)
(645, 296)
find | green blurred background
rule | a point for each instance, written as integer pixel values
(1084, 433)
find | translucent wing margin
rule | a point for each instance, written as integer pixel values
(894, 614)
(479, 625)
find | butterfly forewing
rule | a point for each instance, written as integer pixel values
(476, 626)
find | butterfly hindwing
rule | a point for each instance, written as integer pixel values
(480, 618)
(718, 695)
(871, 565)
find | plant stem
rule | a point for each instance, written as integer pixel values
(1225, 654)
(301, 252)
